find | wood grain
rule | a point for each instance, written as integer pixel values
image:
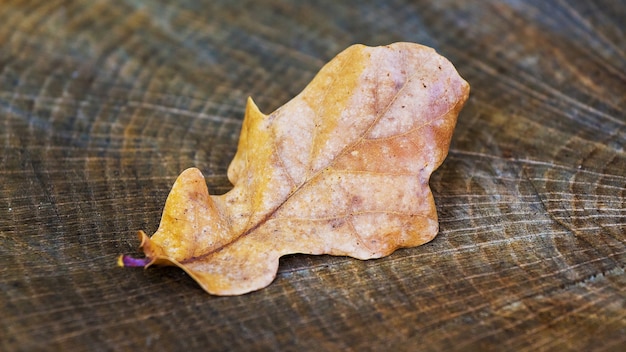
(103, 103)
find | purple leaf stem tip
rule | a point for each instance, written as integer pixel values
(128, 261)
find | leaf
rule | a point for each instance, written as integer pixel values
(341, 169)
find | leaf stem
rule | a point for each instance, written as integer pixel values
(128, 261)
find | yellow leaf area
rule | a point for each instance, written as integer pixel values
(341, 169)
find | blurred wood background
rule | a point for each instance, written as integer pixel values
(104, 103)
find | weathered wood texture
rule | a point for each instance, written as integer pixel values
(103, 103)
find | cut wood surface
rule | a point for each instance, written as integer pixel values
(103, 104)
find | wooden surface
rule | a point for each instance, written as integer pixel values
(103, 103)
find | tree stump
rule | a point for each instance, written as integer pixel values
(103, 104)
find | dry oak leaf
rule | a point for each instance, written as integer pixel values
(341, 169)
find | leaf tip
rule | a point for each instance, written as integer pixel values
(252, 111)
